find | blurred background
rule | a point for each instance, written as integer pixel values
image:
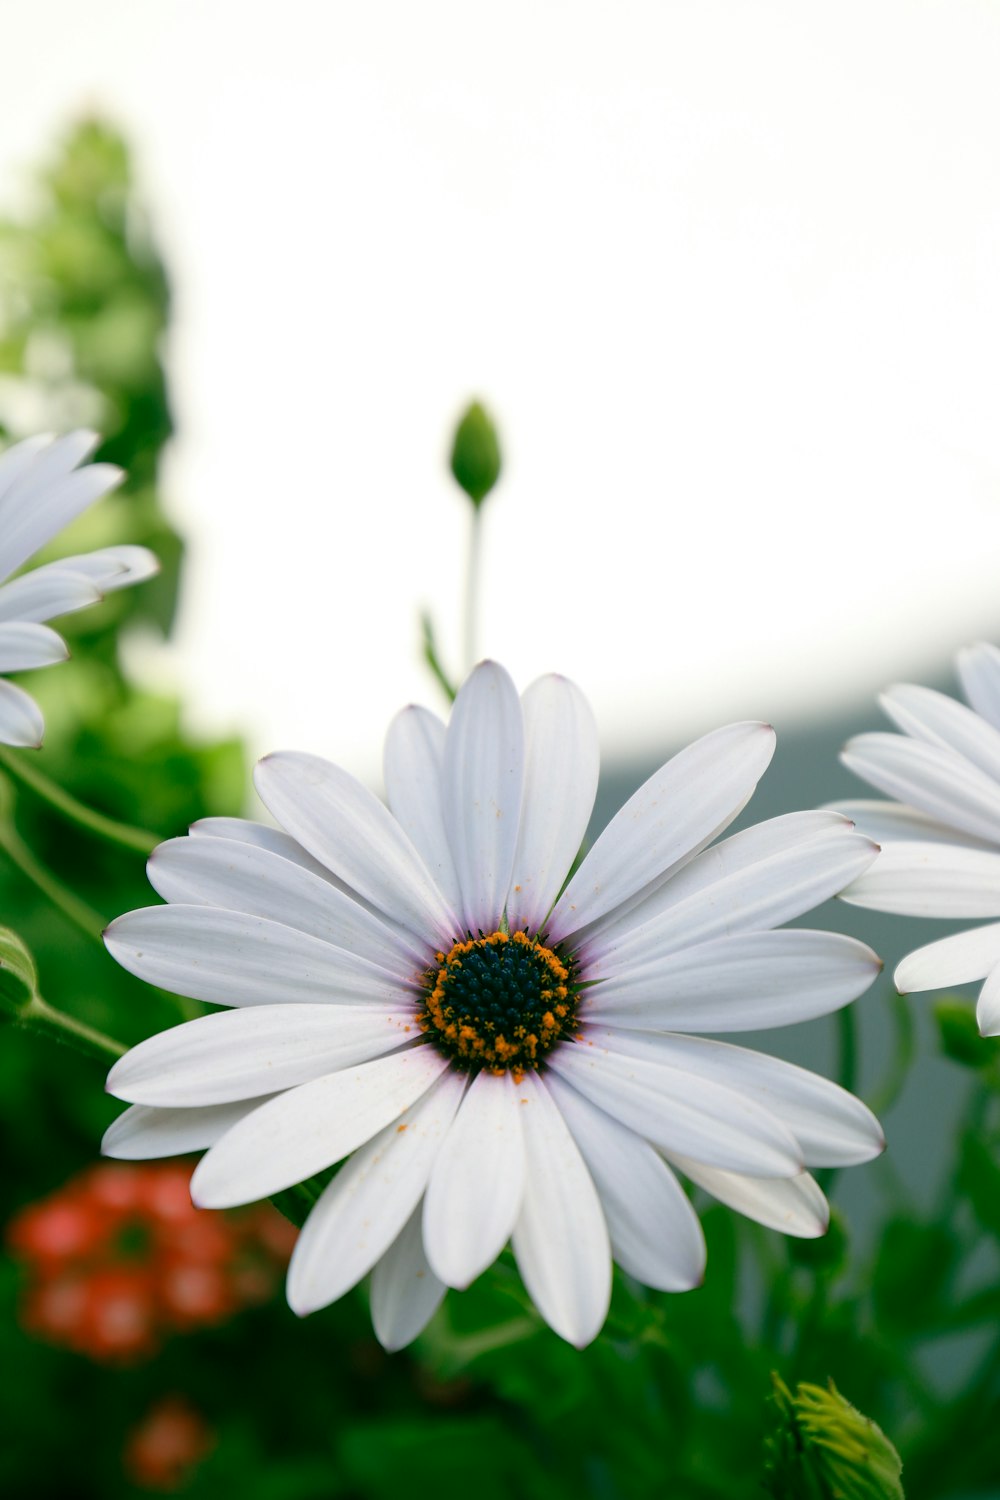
(726, 276)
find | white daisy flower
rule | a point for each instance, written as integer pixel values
(42, 489)
(499, 1057)
(941, 841)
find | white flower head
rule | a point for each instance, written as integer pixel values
(497, 1053)
(42, 489)
(941, 840)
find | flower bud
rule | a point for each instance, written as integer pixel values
(18, 975)
(824, 1449)
(475, 454)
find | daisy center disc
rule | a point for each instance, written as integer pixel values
(499, 1002)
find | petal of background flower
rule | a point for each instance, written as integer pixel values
(33, 511)
(113, 568)
(230, 958)
(893, 823)
(19, 457)
(413, 763)
(405, 1293)
(664, 819)
(309, 1128)
(142, 1134)
(475, 1190)
(21, 721)
(561, 1239)
(935, 780)
(237, 1054)
(47, 591)
(24, 645)
(483, 784)
(959, 959)
(793, 1205)
(937, 719)
(655, 1233)
(365, 1207)
(742, 983)
(979, 672)
(562, 763)
(344, 825)
(241, 877)
(930, 880)
(674, 1108)
(988, 1007)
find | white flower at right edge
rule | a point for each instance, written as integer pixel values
(941, 840)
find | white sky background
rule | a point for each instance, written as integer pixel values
(728, 273)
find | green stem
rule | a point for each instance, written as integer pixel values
(847, 1074)
(136, 839)
(78, 912)
(44, 1018)
(469, 634)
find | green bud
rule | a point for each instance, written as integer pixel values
(824, 1449)
(475, 454)
(18, 975)
(959, 1034)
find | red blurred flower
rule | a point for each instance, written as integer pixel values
(169, 1442)
(119, 1258)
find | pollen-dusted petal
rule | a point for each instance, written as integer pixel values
(793, 1205)
(892, 823)
(959, 959)
(483, 782)
(142, 1133)
(344, 825)
(21, 721)
(832, 1127)
(413, 769)
(405, 1293)
(365, 1207)
(475, 1190)
(309, 1128)
(937, 719)
(46, 592)
(24, 645)
(231, 958)
(930, 880)
(655, 1233)
(237, 1054)
(560, 1239)
(666, 817)
(934, 779)
(562, 761)
(220, 872)
(979, 671)
(746, 982)
(677, 1109)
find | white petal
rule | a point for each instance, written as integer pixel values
(365, 1207)
(19, 457)
(979, 671)
(893, 823)
(958, 959)
(33, 512)
(309, 1128)
(793, 1205)
(114, 567)
(988, 1008)
(475, 1191)
(937, 781)
(21, 721)
(142, 1134)
(561, 1238)
(344, 825)
(728, 890)
(229, 958)
(930, 880)
(655, 1233)
(483, 780)
(405, 1293)
(38, 461)
(25, 645)
(244, 877)
(937, 719)
(833, 1128)
(674, 1108)
(412, 766)
(261, 836)
(47, 591)
(562, 761)
(689, 796)
(741, 983)
(237, 1054)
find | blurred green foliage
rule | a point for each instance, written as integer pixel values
(674, 1398)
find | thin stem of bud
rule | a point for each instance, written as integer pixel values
(42, 1017)
(76, 911)
(136, 839)
(470, 631)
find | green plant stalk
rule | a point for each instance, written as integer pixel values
(473, 568)
(44, 1018)
(76, 911)
(126, 837)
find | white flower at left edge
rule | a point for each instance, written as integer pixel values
(42, 489)
(497, 1053)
